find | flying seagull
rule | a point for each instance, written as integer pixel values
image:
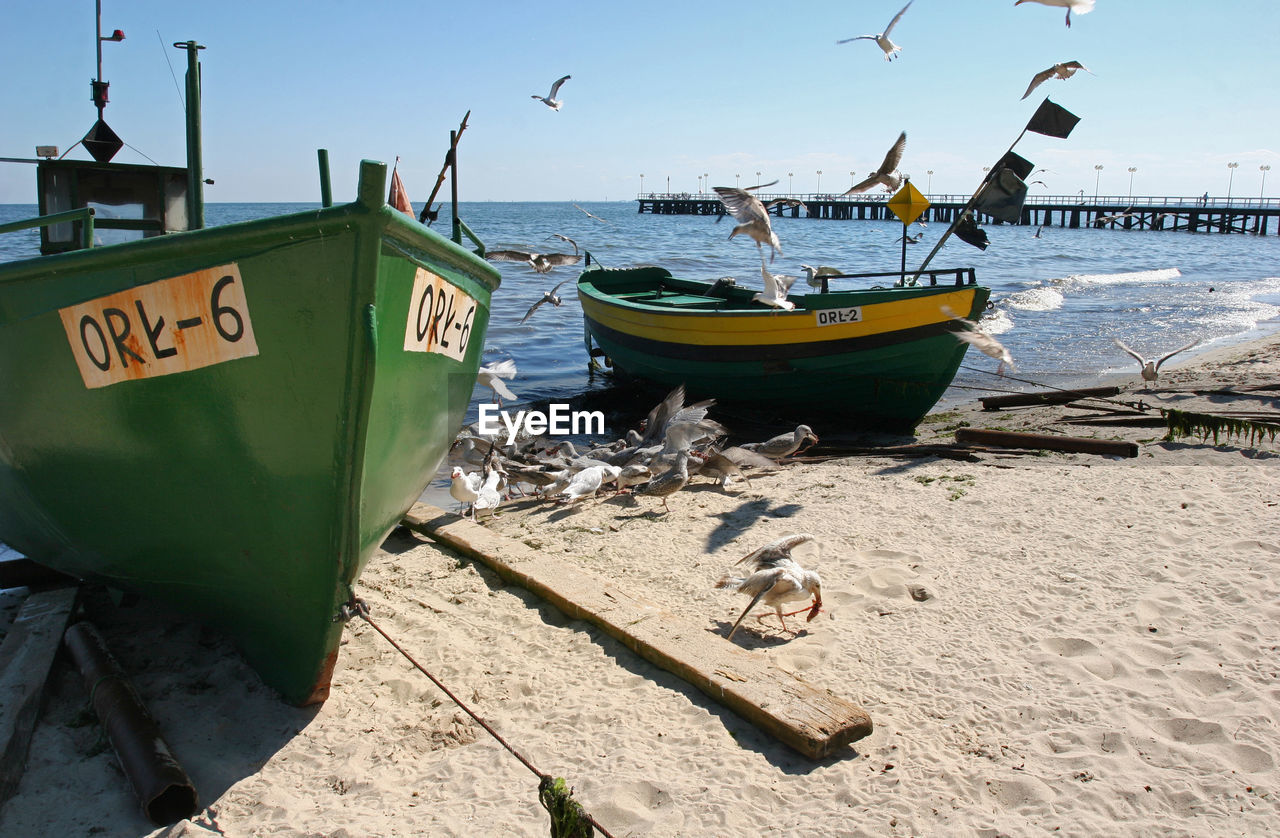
(1065, 70)
(589, 215)
(887, 174)
(775, 290)
(1151, 368)
(564, 238)
(550, 99)
(984, 342)
(540, 262)
(775, 579)
(1080, 7)
(882, 40)
(752, 217)
(547, 297)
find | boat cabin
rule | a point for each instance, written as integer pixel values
(129, 201)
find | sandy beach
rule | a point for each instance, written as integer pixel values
(1096, 654)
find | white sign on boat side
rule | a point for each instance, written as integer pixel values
(836, 316)
(164, 327)
(440, 317)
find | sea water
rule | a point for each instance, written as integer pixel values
(1057, 300)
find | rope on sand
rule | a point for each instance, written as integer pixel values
(568, 818)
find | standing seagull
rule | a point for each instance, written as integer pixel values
(984, 342)
(492, 376)
(752, 217)
(882, 40)
(775, 579)
(547, 297)
(1065, 70)
(783, 445)
(887, 173)
(814, 276)
(1151, 368)
(1080, 7)
(550, 99)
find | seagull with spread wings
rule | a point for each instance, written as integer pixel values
(882, 39)
(492, 377)
(547, 297)
(887, 175)
(971, 334)
(775, 290)
(540, 262)
(752, 217)
(1151, 366)
(550, 99)
(1063, 70)
(776, 578)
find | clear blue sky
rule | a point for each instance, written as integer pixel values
(667, 89)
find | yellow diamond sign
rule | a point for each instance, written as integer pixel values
(908, 204)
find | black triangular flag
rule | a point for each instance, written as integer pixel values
(1052, 120)
(969, 233)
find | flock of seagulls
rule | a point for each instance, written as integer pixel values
(675, 443)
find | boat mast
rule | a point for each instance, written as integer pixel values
(195, 162)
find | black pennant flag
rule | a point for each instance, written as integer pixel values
(969, 233)
(1018, 164)
(1052, 120)
(1002, 196)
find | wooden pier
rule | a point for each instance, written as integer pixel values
(1256, 216)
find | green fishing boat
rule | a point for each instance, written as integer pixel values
(228, 421)
(880, 356)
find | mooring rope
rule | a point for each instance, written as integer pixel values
(568, 818)
(1138, 405)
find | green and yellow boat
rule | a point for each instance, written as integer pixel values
(879, 356)
(228, 421)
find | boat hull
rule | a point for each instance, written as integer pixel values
(881, 357)
(248, 492)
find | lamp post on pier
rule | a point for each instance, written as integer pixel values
(668, 185)
(1263, 188)
(642, 183)
(706, 179)
(736, 184)
(1132, 169)
(1096, 181)
(1232, 168)
(757, 180)
(791, 191)
(929, 187)
(819, 180)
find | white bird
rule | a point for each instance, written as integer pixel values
(464, 488)
(814, 276)
(775, 290)
(984, 342)
(882, 40)
(487, 496)
(1080, 7)
(887, 174)
(589, 215)
(547, 297)
(491, 377)
(550, 99)
(587, 482)
(565, 238)
(753, 218)
(783, 445)
(775, 579)
(1064, 70)
(540, 262)
(1151, 367)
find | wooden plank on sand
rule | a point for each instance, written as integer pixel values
(812, 720)
(26, 656)
(1047, 442)
(1053, 397)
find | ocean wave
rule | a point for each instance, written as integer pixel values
(1042, 298)
(1127, 278)
(996, 322)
